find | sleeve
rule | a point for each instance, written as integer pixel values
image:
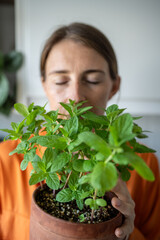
(136, 235)
(147, 226)
(0, 198)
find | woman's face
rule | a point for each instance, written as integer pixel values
(74, 71)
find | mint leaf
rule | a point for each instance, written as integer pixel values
(31, 117)
(124, 124)
(88, 165)
(84, 179)
(140, 148)
(21, 148)
(27, 158)
(113, 112)
(22, 109)
(31, 107)
(52, 181)
(113, 137)
(14, 125)
(92, 203)
(74, 144)
(140, 166)
(49, 156)
(36, 163)
(82, 110)
(121, 158)
(104, 176)
(100, 157)
(121, 129)
(50, 141)
(41, 166)
(95, 142)
(60, 161)
(89, 201)
(73, 180)
(20, 127)
(85, 194)
(67, 107)
(12, 134)
(112, 108)
(101, 202)
(78, 165)
(79, 204)
(64, 195)
(24, 163)
(71, 126)
(102, 133)
(101, 119)
(124, 173)
(8, 131)
(51, 116)
(36, 178)
(100, 193)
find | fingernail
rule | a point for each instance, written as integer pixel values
(118, 203)
(120, 232)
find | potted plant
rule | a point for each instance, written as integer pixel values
(79, 156)
(9, 63)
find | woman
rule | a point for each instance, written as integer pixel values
(79, 63)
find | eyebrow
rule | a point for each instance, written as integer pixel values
(59, 71)
(85, 72)
(94, 71)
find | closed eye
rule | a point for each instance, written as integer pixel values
(93, 82)
(61, 83)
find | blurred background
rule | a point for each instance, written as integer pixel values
(133, 28)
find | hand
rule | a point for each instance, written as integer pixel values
(124, 204)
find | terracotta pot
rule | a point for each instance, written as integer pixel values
(46, 227)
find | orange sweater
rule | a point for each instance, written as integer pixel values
(15, 198)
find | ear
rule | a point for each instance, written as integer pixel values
(115, 86)
(43, 84)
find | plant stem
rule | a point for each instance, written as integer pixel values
(92, 212)
(80, 175)
(54, 192)
(67, 180)
(110, 156)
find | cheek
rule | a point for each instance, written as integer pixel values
(55, 96)
(101, 96)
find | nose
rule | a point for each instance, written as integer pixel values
(77, 92)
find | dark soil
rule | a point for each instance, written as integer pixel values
(69, 211)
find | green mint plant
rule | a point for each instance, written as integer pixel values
(84, 152)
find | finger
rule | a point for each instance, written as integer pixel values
(127, 209)
(125, 230)
(121, 190)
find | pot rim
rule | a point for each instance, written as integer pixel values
(65, 221)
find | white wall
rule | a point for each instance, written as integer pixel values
(132, 27)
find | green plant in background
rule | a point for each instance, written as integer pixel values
(88, 151)
(9, 63)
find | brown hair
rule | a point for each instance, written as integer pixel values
(87, 35)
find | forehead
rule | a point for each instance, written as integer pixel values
(69, 53)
